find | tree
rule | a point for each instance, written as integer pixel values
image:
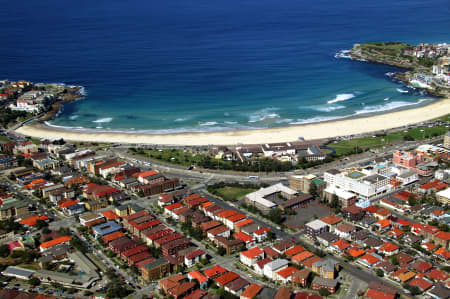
(34, 281)
(379, 272)
(270, 236)
(275, 215)
(411, 200)
(324, 292)
(4, 250)
(221, 251)
(313, 189)
(394, 260)
(334, 201)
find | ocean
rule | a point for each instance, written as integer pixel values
(207, 65)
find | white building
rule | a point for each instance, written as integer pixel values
(260, 198)
(270, 269)
(364, 186)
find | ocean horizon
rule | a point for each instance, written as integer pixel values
(155, 67)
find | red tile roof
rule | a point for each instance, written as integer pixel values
(437, 275)
(56, 241)
(244, 237)
(389, 247)
(214, 271)
(110, 215)
(294, 250)
(244, 223)
(197, 275)
(226, 278)
(342, 244)
(420, 283)
(251, 291)
(443, 236)
(286, 272)
(302, 256)
(252, 253)
(370, 259)
(147, 173)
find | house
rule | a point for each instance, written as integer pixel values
(326, 268)
(155, 270)
(340, 245)
(225, 278)
(443, 196)
(369, 259)
(194, 257)
(48, 245)
(344, 230)
(301, 277)
(260, 234)
(377, 290)
(220, 230)
(229, 245)
(237, 286)
(389, 248)
(106, 228)
(283, 293)
(182, 290)
(294, 250)
(442, 238)
(315, 227)
(251, 291)
(421, 283)
(332, 221)
(327, 238)
(248, 240)
(282, 246)
(202, 280)
(214, 272)
(299, 258)
(251, 256)
(271, 268)
(324, 283)
(259, 265)
(354, 213)
(285, 275)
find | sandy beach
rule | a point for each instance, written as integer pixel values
(290, 133)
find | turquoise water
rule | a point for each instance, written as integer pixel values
(177, 66)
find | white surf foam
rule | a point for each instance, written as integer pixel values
(208, 123)
(72, 117)
(181, 119)
(402, 90)
(386, 99)
(103, 120)
(388, 106)
(263, 114)
(330, 108)
(343, 54)
(316, 119)
(342, 97)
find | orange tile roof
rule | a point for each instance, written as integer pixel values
(244, 222)
(214, 271)
(56, 241)
(331, 219)
(355, 252)
(443, 236)
(110, 215)
(237, 217)
(252, 253)
(302, 256)
(243, 236)
(251, 291)
(384, 223)
(443, 252)
(370, 259)
(294, 250)
(173, 206)
(388, 247)
(226, 278)
(286, 272)
(147, 173)
(342, 244)
(227, 213)
(405, 276)
(207, 204)
(115, 235)
(199, 276)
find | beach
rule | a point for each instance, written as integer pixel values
(343, 127)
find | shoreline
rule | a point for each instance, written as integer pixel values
(327, 129)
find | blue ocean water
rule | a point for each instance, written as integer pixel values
(166, 66)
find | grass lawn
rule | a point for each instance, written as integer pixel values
(346, 146)
(4, 139)
(233, 193)
(174, 156)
